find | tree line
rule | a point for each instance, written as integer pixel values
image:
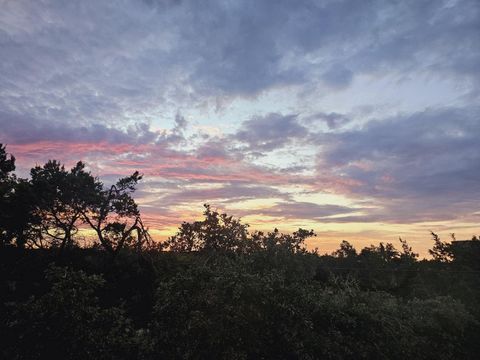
(214, 289)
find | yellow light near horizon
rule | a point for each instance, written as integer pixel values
(254, 204)
(161, 235)
(329, 234)
(323, 198)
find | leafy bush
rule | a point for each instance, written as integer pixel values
(67, 322)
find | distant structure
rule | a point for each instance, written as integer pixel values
(466, 244)
(467, 251)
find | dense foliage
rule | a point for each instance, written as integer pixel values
(214, 289)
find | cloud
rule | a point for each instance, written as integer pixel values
(306, 210)
(421, 166)
(333, 120)
(108, 62)
(338, 76)
(180, 122)
(225, 194)
(104, 82)
(269, 132)
(23, 129)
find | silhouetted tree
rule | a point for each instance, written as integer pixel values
(217, 232)
(407, 253)
(441, 251)
(114, 216)
(61, 199)
(17, 202)
(23, 220)
(7, 181)
(7, 164)
(385, 253)
(345, 251)
(275, 240)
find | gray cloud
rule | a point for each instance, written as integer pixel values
(22, 129)
(99, 60)
(269, 132)
(333, 120)
(228, 193)
(306, 210)
(87, 72)
(213, 149)
(338, 76)
(423, 166)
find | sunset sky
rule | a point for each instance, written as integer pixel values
(358, 119)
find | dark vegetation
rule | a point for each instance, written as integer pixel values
(213, 290)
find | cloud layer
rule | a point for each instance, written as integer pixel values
(305, 112)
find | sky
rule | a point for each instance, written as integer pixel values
(358, 119)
